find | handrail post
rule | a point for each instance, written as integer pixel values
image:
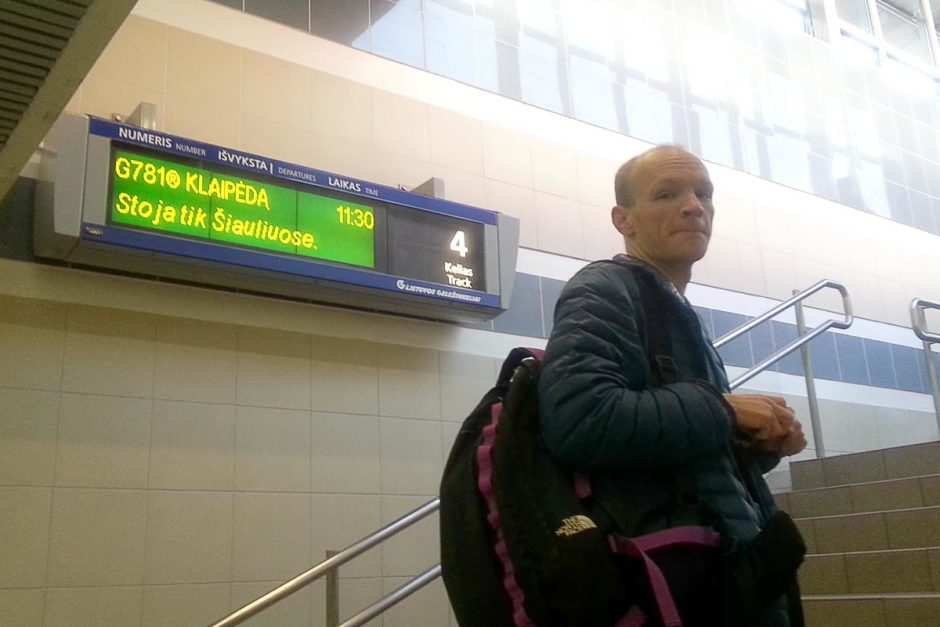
(332, 594)
(919, 325)
(810, 381)
(932, 375)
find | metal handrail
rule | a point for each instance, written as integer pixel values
(432, 506)
(800, 341)
(919, 307)
(329, 564)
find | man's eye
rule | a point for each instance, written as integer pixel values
(705, 195)
(664, 195)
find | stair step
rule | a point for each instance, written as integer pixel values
(875, 496)
(873, 531)
(891, 463)
(872, 572)
(875, 610)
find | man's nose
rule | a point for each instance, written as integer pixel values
(692, 205)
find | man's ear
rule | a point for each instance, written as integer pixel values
(623, 220)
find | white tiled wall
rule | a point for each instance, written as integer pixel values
(160, 468)
(168, 495)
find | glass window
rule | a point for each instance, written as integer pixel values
(855, 12)
(450, 40)
(903, 26)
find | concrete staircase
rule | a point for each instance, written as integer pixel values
(872, 524)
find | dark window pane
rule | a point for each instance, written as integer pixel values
(906, 368)
(825, 359)
(235, 4)
(852, 359)
(524, 316)
(551, 289)
(880, 364)
(343, 21)
(737, 352)
(397, 31)
(705, 316)
(294, 13)
(762, 343)
(542, 67)
(784, 334)
(450, 40)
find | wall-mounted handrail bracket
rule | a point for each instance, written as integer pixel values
(845, 323)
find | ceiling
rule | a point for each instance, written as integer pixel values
(46, 48)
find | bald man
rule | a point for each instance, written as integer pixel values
(633, 393)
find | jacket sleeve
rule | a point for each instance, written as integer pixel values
(596, 408)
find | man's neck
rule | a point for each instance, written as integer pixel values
(677, 274)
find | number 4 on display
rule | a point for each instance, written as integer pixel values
(458, 244)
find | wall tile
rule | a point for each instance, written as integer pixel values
(104, 606)
(342, 157)
(558, 225)
(338, 521)
(293, 611)
(601, 239)
(119, 345)
(554, 169)
(401, 125)
(340, 108)
(196, 120)
(275, 90)
(97, 537)
(195, 361)
(345, 453)
(273, 139)
(409, 382)
(28, 424)
(456, 141)
(24, 536)
(413, 550)
(518, 202)
(273, 368)
(122, 62)
(189, 537)
(272, 449)
(103, 441)
(345, 375)
(464, 380)
(397, 170)
(203, 70)
(271, 539)
(192, 446)
(428, 606)
(411, 456)
(507, 155)
(32, 338)
(187, 605)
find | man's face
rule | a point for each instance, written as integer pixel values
(671, 218)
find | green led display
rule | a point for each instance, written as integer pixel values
(170, 197)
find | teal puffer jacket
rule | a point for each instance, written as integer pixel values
(644, 441)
